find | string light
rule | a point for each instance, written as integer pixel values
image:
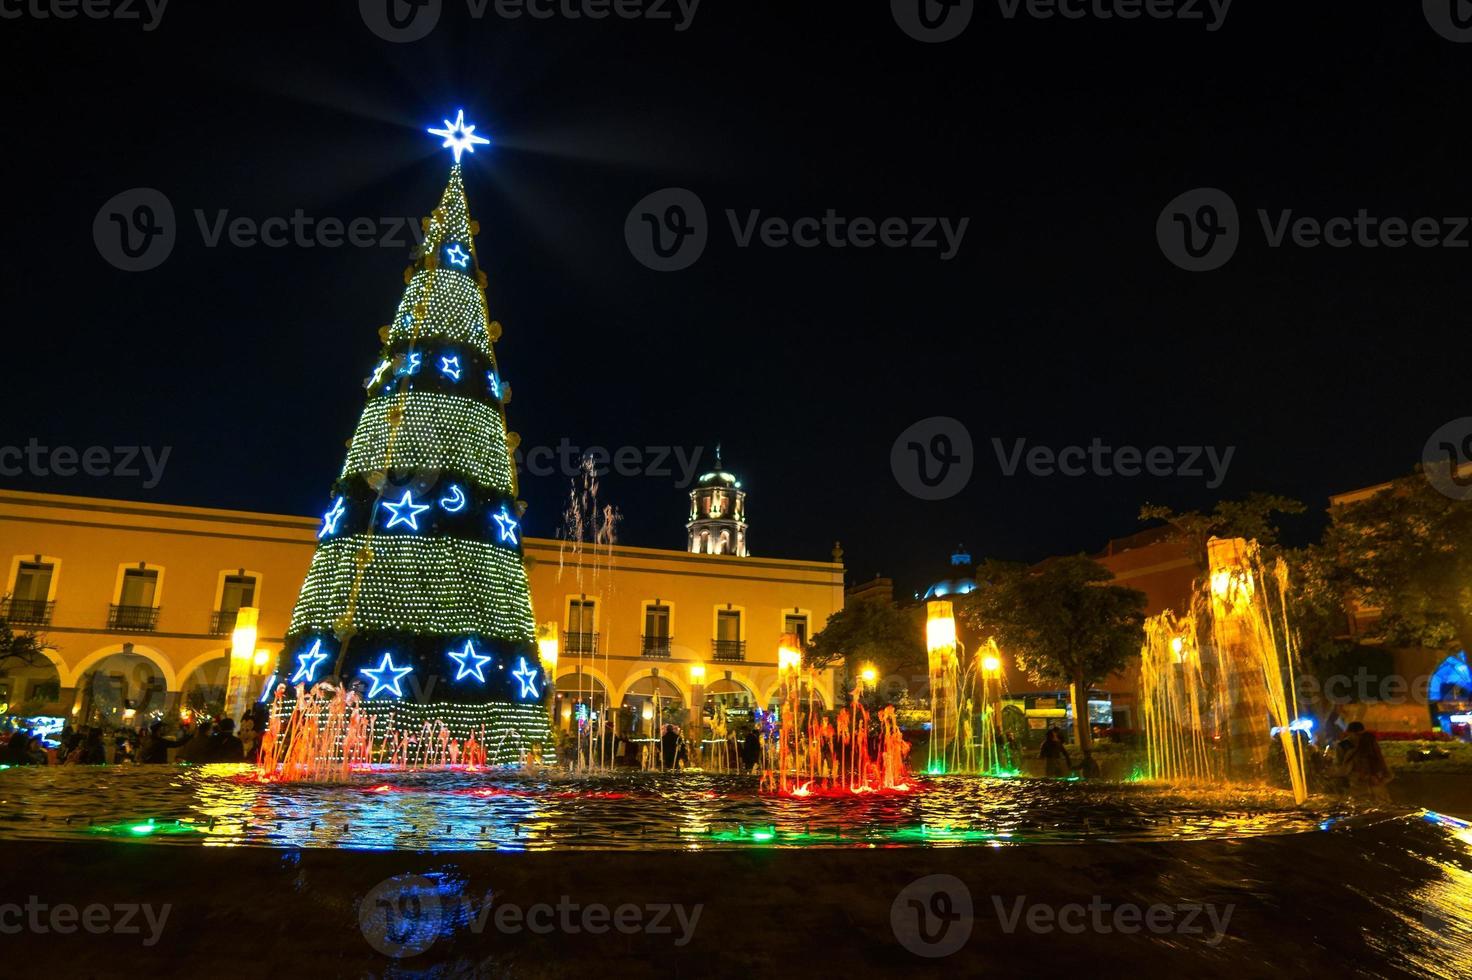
(507, 526)
(528, 678)
(450, 366)
(330, 519)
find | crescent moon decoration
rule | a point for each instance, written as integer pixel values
(455, 502)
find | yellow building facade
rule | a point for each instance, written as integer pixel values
(138, 604)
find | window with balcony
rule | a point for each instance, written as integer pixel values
(796, 623)
(656, 631)
(135, 608)
(581, 636)
(728, 644)
(239, 591)
(29, 603)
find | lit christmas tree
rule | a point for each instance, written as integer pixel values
(417, 595)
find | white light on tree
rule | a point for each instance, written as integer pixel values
(460, 136)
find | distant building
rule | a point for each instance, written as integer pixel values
(138, 603)
(718, 514)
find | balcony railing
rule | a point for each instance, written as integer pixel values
(138, 619)
(584, 643)
(657, 647)
(222, 621)
(26, 612)
(728, 649)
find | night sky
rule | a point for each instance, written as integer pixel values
(1059, 320)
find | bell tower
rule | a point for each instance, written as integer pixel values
(717, 523)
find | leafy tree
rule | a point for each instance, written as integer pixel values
(1250, 518)
(1064, 623)
(876, 632)
(1408, 551)
(21, 649)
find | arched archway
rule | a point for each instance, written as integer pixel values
(203, 684)
(123, 687)
(651, 702)
(580, 696)
(33, 689)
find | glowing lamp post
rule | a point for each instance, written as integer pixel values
(869, 676)
(242, 657)
(940, 642)
(697, 712)
(548, 649)
(940, 631)
(991, 665)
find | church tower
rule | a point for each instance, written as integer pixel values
(718, 514)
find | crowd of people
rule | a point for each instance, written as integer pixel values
(200, 741)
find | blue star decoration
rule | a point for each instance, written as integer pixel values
(331, 518)
(386, 676)
(307, 663)
(411, 364)
(528, 677)
(507, 526)
(406, 511)
(494, 383)
(459, 136)
(455, 502)
(472, 664)
(458, 257)
(450, 365)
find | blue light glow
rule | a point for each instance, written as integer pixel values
(307, 663)
(472, 664)
(455, 502)
(330, 519)
(386, 676)
(528, 677)
(406, 511)
(507, 525)
(450, 365)
(459, 136)
(411, 364)
(494, 382)
(458, 257)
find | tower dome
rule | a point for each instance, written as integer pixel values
(717, 524)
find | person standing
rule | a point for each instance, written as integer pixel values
(1055, 755)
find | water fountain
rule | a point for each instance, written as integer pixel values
(1216, 682)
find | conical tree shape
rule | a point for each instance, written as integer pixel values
(417, 593)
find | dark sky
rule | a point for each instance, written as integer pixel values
(1059, 321)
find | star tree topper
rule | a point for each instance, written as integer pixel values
(459, 137)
